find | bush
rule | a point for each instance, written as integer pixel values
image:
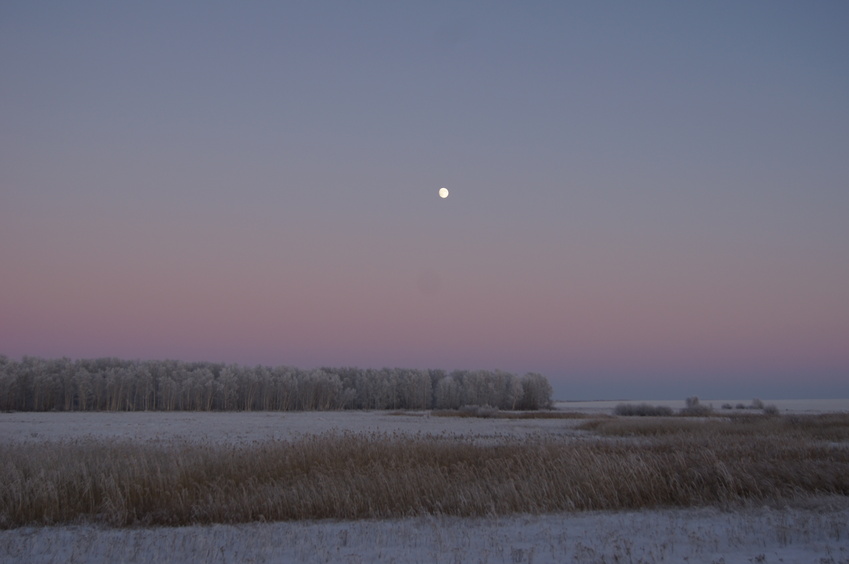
(478, 411)
(642, 410)
(695, 409)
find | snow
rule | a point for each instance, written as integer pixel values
(233, 427)
(790, 534)
(239, 427)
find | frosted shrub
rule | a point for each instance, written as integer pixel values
(487, 411)
(478, 411)
(696, 409)
(536, 392)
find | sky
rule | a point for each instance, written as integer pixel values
(648, 200)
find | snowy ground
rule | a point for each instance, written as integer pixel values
(241, 427)
(813, 531)
(232, 427)
(792, 534)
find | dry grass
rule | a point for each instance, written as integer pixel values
(546, 415)
(642, 410)
(349, 476)
(825, 427)
(475, 411)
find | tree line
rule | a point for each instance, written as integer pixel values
(111, 384)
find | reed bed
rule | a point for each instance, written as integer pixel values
(832, 427)
(487, 412)
(354, 476)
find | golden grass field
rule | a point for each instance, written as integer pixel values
(601, 463)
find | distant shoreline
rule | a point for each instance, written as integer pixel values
(784, 405)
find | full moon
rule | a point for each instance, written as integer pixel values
(443, 192)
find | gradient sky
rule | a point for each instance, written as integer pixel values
(649, 200)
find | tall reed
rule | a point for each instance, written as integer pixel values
(346, 475)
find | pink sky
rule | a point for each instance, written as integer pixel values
(636, 210)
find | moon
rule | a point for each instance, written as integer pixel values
(443, 193)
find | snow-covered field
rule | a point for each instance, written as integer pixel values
(232, 427)
(791, 534)
(807, 531)
(239, 427)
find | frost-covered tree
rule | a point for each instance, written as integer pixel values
(536, 392)
(115, 384)
(449, 393)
